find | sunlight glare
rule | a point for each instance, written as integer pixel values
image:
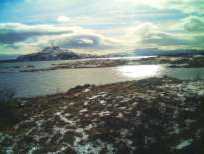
(141, 71)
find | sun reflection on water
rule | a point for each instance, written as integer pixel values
(141, 71)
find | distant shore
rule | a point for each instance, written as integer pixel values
(170, 61)
(174, 62)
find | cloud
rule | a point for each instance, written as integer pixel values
(154, 35)
(154, 3)
(77, 41)
(134, 36)
(164, 39)
(89, 41)
(194, 24)
(33, 37)
(187, 6)
(121, 25)
(143, 29)
(11, 33)
(63, 19)
(48, 28)
(24, 38)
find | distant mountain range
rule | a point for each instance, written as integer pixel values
(158, 52)
(53, 53)
(57, 53)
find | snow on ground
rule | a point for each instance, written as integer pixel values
(110, 120)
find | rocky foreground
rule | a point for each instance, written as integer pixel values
(151, 116)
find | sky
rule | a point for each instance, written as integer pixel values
(100, 26)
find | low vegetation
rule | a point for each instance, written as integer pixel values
(157, 115)
(8, 106)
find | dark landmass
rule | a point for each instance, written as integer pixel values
(57, 53)
(8, 61)
(53, 53)
(151, 116)
(174, 62)
(158, 52)
(185, 62)
(91, 63)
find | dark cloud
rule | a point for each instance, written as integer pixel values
(11, 37)
(194, 24)
(163, 39)
(84, 41)
(14, 33)
(16, 36)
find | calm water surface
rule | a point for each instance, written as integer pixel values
(29, 84)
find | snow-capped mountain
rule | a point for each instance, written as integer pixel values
(51, 53)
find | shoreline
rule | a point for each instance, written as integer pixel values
(172, 62)
(134, 116)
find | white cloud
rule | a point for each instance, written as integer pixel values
(146, 2)
(140, 35)
(144, 35)
(21, 36)
(63, 19)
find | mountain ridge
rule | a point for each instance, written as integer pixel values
(53, 53)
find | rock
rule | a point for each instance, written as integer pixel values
(156, 115)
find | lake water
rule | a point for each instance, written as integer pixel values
(29, 84)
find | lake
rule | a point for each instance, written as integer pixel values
(29, 84)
